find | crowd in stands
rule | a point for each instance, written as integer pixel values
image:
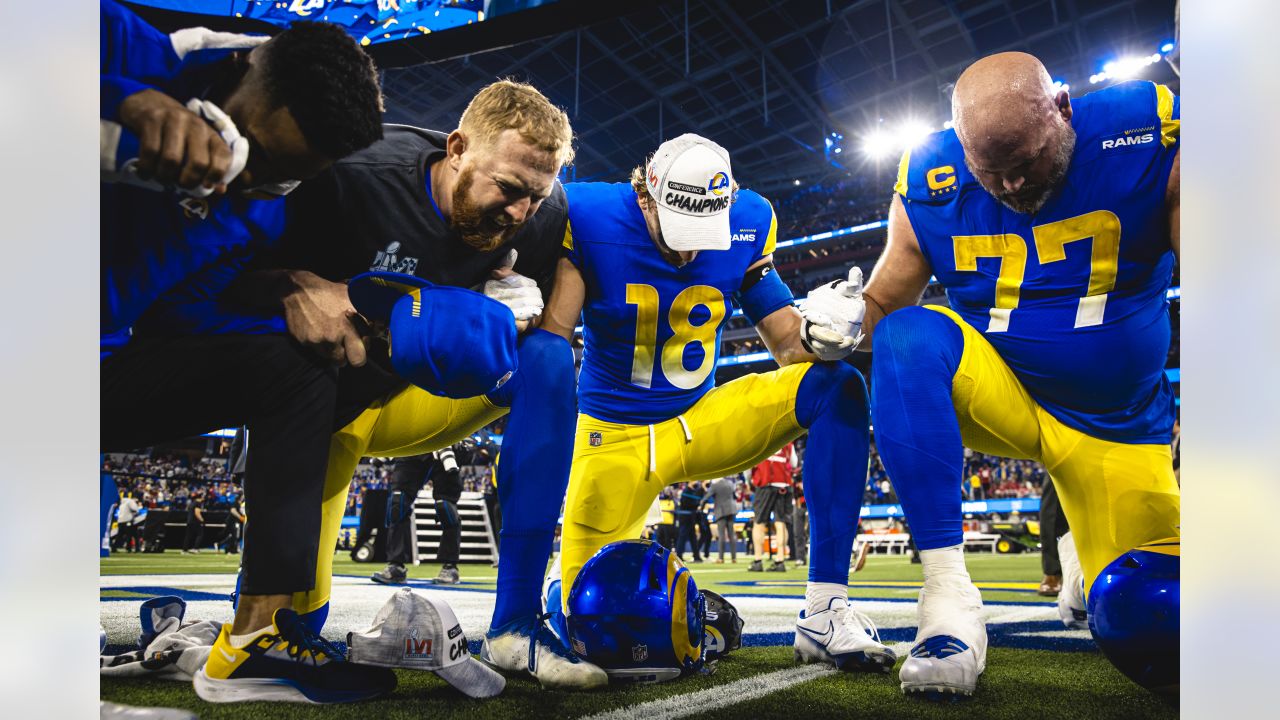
(851, 201)
(171, 482)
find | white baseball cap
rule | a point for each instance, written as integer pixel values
(422, 633)
(692, 182)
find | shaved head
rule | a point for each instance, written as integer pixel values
(1015, 129)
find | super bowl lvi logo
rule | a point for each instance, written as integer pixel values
(415, 648)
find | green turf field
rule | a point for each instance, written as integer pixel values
(754, 682)
(884, 576)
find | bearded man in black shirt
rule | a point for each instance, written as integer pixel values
(478, 208)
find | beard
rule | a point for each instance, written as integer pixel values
(476, 229)
(1029, 199)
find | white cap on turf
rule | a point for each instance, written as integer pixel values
(422, 633)
(691, 181)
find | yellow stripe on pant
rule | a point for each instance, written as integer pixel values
(410, 422)
(1116, 496)
(730, 429)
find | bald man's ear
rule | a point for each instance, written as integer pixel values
(1063, 102)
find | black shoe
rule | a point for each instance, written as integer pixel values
(448, 575)
(778, 566)
(756, 566)
(392, 575)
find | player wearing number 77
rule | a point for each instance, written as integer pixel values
(650, 267)
(1053, 224)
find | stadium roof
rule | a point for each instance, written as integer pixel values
(771, 80)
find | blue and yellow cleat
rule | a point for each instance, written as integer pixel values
(287, 663)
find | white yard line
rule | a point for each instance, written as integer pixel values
(694, 703)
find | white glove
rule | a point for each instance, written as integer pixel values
(514, 290)
(832, 325)
(230, 134)
(128, 170)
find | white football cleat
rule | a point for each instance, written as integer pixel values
(1071, 605)
(529, 646)
(950, 651)
(842, 637)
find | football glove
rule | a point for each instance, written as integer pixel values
(516, 291)
(832, 317)
(239, 145)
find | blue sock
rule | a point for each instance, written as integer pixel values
(315, 619)
(832, 404)
(533, 471)
(916, 354)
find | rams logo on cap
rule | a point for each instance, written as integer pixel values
(719, 183)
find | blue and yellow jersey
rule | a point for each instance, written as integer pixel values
(1072, 297)
(652, 330)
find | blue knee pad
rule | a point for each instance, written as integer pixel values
(447, 513)
(533, 473)
(832, 403)
(915, 355)
(399, 507)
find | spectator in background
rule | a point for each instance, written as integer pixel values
(666, 530)
(195, 522)
(126, 526)
(799, 532)
(725, 508)
(235, 524)
(1053, 525)
(687, 520)
(773, 480)
(704, 525)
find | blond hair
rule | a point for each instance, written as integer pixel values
(511, 105)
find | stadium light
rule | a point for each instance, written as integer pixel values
(912, 134)
(878, 144)
(1166, 48)
(1124, 68)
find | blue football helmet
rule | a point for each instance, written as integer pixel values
(1133, 614)
(635, 611)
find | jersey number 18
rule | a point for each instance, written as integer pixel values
(645, 298)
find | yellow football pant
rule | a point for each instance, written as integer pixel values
(410, 422)
(1115, 496)
(619, 469)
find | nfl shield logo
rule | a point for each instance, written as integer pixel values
(594, 439)
(639, 653)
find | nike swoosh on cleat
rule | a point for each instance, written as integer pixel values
(230, 658)
(820, 638)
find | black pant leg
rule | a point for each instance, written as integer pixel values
(162, 389)
(1053, 525)
(406, 481)
(446, 490)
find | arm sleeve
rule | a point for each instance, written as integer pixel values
(133, 56)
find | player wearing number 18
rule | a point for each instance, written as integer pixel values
(1053, 224)
(651, 266)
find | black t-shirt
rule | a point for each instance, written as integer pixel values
(372, 211)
